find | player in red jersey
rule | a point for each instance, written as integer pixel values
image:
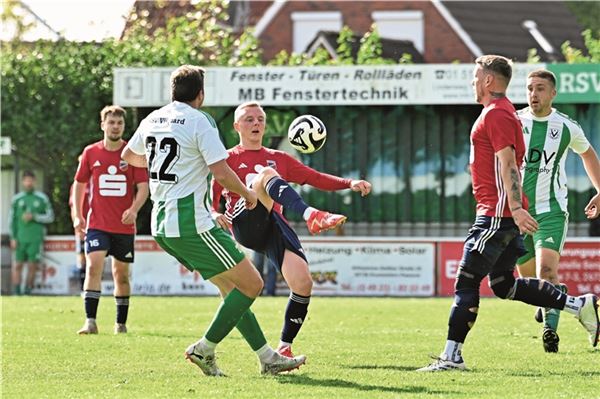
(494, 242)
(264, 229)
(117, 192)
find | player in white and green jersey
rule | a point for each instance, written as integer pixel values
(180, 145)
(548, 135)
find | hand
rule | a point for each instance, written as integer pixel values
(27, 216)
(221, 220)
(592, 209)
(251, 199)
(129, 216)
(13, 244)
(361, 185)
(78, 226)
(524, 221)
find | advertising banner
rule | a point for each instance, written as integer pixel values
(153, 273)
(370, 267)
(579, 267)
(323, 85)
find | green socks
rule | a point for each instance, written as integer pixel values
(551, 316)
(228, 315)
(250, 329)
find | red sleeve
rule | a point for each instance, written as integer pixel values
(217, 190)
(83, 173)
(302, 174)
(140, 175)
(502, 128)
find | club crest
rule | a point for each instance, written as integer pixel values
(554, 133)
(123, 165)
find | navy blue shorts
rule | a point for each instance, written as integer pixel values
(266, 232)
(120, 246)
(493, 244)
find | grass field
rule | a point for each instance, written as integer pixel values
(356, 348)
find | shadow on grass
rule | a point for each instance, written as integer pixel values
(538, 374)
(380, 367)
(339, 383)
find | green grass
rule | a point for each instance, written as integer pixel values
(356, 348)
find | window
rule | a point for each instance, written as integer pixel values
(307, 24)
(401, 25)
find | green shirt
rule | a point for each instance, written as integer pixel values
(38, 205)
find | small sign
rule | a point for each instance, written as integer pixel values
(5, 146)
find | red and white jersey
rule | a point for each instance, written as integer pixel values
(496, 128)
(248, 163)
(112, 187)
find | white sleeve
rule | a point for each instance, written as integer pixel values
(579, 143)
(209, 143)
(136, 143)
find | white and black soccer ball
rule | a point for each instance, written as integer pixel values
(307, 134)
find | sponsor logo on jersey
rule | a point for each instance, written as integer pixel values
(97, 163)
(123, 165)
(272, 164)
(242, 166)
(550, 240)
(112, 184)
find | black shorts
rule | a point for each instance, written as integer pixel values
(266, 232)
(120, 246)
(493, 244)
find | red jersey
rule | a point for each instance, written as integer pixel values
(112, 187)
(248, 163)
(496, 128)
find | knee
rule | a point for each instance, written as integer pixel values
(548, 273)
(267, 174)
(467, 298)
(502, 284)
(255, 288)
(302, 286)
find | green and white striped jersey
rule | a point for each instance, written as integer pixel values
(546, 143)
(179, 143)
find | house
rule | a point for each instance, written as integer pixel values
(440, 31)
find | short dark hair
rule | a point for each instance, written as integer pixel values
(28, 173)
(544, 74)
(187, 82)
(112, 110)
(496, 64)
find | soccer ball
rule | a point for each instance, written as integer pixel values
(307, 134)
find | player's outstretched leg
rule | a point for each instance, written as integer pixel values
(281, 192)
(542, 293)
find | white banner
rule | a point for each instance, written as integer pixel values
(153, 273)
(351, 267)
(371, 267)
(317, 85)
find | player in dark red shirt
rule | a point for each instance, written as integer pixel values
(264, 229)
(116, 192)
(494, 242)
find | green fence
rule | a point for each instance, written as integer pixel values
(415, 156)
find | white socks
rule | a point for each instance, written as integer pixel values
(453, 351)
(265, 353)
(573, 305)
(307, 212)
